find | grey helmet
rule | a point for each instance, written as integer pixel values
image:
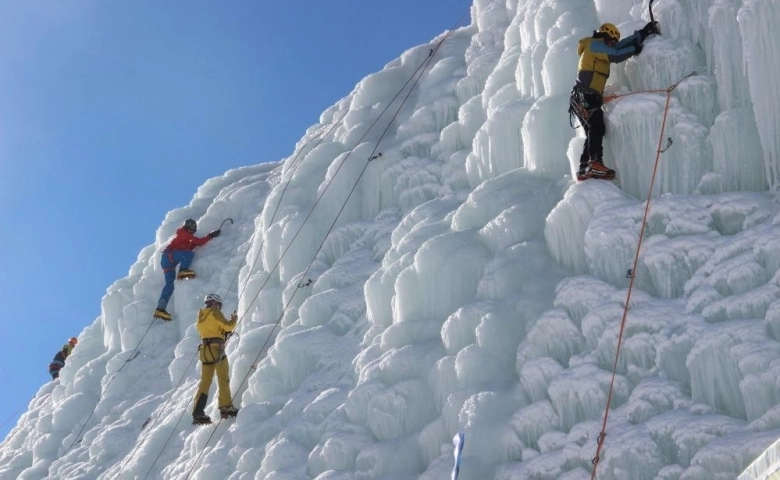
(212, 298)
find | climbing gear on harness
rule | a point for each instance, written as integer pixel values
(206, 349)
(582, 103)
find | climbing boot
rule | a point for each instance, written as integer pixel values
(185, 274)
(201, 419)
(162, 314)
(228, 412)
(596, 169)
(582, 173)
(199, 416)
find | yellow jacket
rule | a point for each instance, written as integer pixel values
(213, 324)
(595, 59)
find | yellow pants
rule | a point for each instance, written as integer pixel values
(212, 360)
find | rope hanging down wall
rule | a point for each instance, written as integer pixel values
(630, 273)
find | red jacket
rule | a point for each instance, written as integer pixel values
(184, 240)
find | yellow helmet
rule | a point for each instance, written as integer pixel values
(610, 30)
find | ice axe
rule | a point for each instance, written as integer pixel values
(652, 18)
(230, 220)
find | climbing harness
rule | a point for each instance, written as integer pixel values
(582, 103)
(578, 107)
(208, 352)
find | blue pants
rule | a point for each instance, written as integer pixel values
(169, 260)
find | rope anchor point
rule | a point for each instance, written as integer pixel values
(599, 441)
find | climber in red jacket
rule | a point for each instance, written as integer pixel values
(179, 252)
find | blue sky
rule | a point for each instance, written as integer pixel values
(112, 113)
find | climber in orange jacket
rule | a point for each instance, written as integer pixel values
(59, 359)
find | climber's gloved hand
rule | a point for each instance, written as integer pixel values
(650, 29)
(214, 234)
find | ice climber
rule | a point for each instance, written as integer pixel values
(179, 252)
(596, 53)
(59, 358)
(214, 329)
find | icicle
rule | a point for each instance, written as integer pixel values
(727, 55)
(634, 126)
(736, 151)
(758, 21)
(546, 135)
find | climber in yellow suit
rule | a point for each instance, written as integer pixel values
(214, 329)
(596, 54)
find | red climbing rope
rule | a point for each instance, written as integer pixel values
(615, 96)
(631, 273)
